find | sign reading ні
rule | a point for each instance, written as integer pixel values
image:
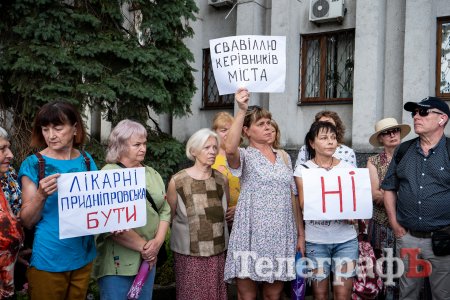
(101, 201)
(255, 62)
(341, 193)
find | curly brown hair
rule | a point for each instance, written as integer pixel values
(340, 128)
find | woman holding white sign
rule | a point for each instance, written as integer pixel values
(263, 240)
(120, 255)
(331, 245)
(198, 198)
(59, 268)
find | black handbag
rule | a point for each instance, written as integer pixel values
(440, 241)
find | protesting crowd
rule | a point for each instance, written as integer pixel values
(236, 215)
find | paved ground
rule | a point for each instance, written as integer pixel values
(168, 293)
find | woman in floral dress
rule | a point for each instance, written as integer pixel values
(11, 233)
(388, 134)
(263, 240)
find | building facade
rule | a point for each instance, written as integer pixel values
(363, 59)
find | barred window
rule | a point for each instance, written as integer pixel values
(326, 72)
(211, 97)
(443, 58)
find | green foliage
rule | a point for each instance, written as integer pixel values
(124, 56)
(165, 274)
(164, 154)
(97, 151)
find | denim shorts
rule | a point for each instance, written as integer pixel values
(330, 257)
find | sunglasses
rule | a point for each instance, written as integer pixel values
(390, 131)
(423, 112)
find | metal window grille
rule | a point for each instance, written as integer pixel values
(443, 58)
(211, 97)
(326, 72)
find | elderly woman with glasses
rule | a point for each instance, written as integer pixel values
(388, 134)
(11, 234)
(263, 240)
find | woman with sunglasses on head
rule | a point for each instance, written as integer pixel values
(388, 134)
(331, 245)
(263, 240)
(343, 152)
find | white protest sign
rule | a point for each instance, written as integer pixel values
(101, 201)
(255, 62)
(337, 194)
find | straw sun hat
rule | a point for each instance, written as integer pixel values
(386, 124)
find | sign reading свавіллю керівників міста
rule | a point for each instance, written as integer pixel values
(101, 201)
(255, 62)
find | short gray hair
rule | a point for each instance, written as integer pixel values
(198, 139)
(4, 134)
(119, 136)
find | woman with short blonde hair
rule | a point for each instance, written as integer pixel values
(198, 198)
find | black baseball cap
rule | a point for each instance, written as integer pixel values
(429, 102)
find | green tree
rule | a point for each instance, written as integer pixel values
(125, 57)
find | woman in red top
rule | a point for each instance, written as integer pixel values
(11, 234)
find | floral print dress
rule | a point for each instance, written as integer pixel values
(264, 233)
(11, 234)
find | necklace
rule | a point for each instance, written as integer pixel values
(326, 168)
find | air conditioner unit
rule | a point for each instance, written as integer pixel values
(321, 11)
(219, 3)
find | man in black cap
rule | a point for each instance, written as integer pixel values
(417, 195)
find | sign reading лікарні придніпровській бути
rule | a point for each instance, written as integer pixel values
(101, 201)
(255, 62)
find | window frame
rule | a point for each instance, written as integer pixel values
(322, 38)
(220, 100)
(440, 22)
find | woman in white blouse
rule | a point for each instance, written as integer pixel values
(342, 151)
(331, 245)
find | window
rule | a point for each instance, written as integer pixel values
(443, 58)
(326, 72)
(211, 98)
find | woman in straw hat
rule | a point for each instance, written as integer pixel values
(388, 134)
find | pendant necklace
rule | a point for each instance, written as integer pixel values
(326, 168)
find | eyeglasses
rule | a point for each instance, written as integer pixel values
(423, 112)
(390, 131)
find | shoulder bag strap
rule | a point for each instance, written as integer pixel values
(86, 160)
(41, 165)
(402, 150)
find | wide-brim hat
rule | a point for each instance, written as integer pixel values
(386, 124)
